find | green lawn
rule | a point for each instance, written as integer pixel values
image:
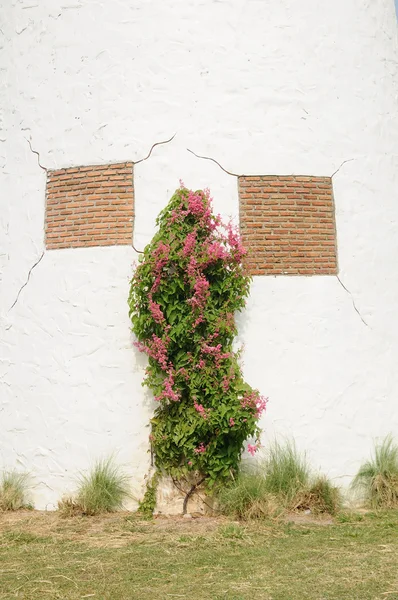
(118, 557)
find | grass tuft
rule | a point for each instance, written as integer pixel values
(282, 482)
(104, 489)
(286, 470)
(248, 497)
(69, 507)
(13, 490)
(377, 478)
(321, 496)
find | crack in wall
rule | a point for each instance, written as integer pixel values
(153, 146)
(343, 163)
(352, 300)
(245, 175)
(142, 160)
(26, 282)
(215, 161)
(37, 154)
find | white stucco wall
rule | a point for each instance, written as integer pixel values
(263, 87)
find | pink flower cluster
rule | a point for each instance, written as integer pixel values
(192, 267)
(197, 203)
(201, 294)
(201, 449)
(201, 288)
(156, 349)
(189, 243)
(235, 242)
(261, 405)
(201, 410)
(161, 254)
(253, 400)
(225, 383)
(252, 449)
(216, 352)
(168, 393)
(213, 350)
(155, 311)
(216, 251)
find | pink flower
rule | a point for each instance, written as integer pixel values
(251, 449)
(183, 373)
(201, 287)
(156, 349)
(213, 350)
(216, 352)
(198, 321)
(156, 311)
(201, 449)
(235, 242)
(168, 393)
(216, 251)
(190, 463)
(161, 254)
(261, 405)
(254, 401)
(225, 383)
(202, 293)
(189, 243)
(192, 266)
(196, 204)
(201, 410)
(231, 422)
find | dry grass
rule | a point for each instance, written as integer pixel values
(377, 478)
(13, 490)
(103, 489)
(318, 496)
(119, 557)
(282, 482)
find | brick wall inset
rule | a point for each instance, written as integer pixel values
(288, 225)
(90, 206)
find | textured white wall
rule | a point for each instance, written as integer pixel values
(263, 87)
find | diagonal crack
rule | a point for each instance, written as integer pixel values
(215, 161)
(146, 158)
(153, 146)
(343, 163)
(37, 154)
(26, 282)
(353, 301)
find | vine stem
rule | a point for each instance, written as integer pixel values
(189, 494)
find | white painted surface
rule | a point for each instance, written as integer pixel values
(264, 87)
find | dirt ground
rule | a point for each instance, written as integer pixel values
(119, 529)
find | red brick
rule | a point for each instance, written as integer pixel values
(287, 224)
(90, 206)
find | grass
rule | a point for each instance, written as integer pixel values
(104, 489)
(119, 557)
(377, 478)
(319, 496)
(13, 490)
(286, 470)
(282, 482)
(248, 497)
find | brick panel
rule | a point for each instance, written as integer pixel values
(288, 225)
(90, 206)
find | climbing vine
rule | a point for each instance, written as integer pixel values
(184, 293)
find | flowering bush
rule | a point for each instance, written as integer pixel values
(183, 296)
